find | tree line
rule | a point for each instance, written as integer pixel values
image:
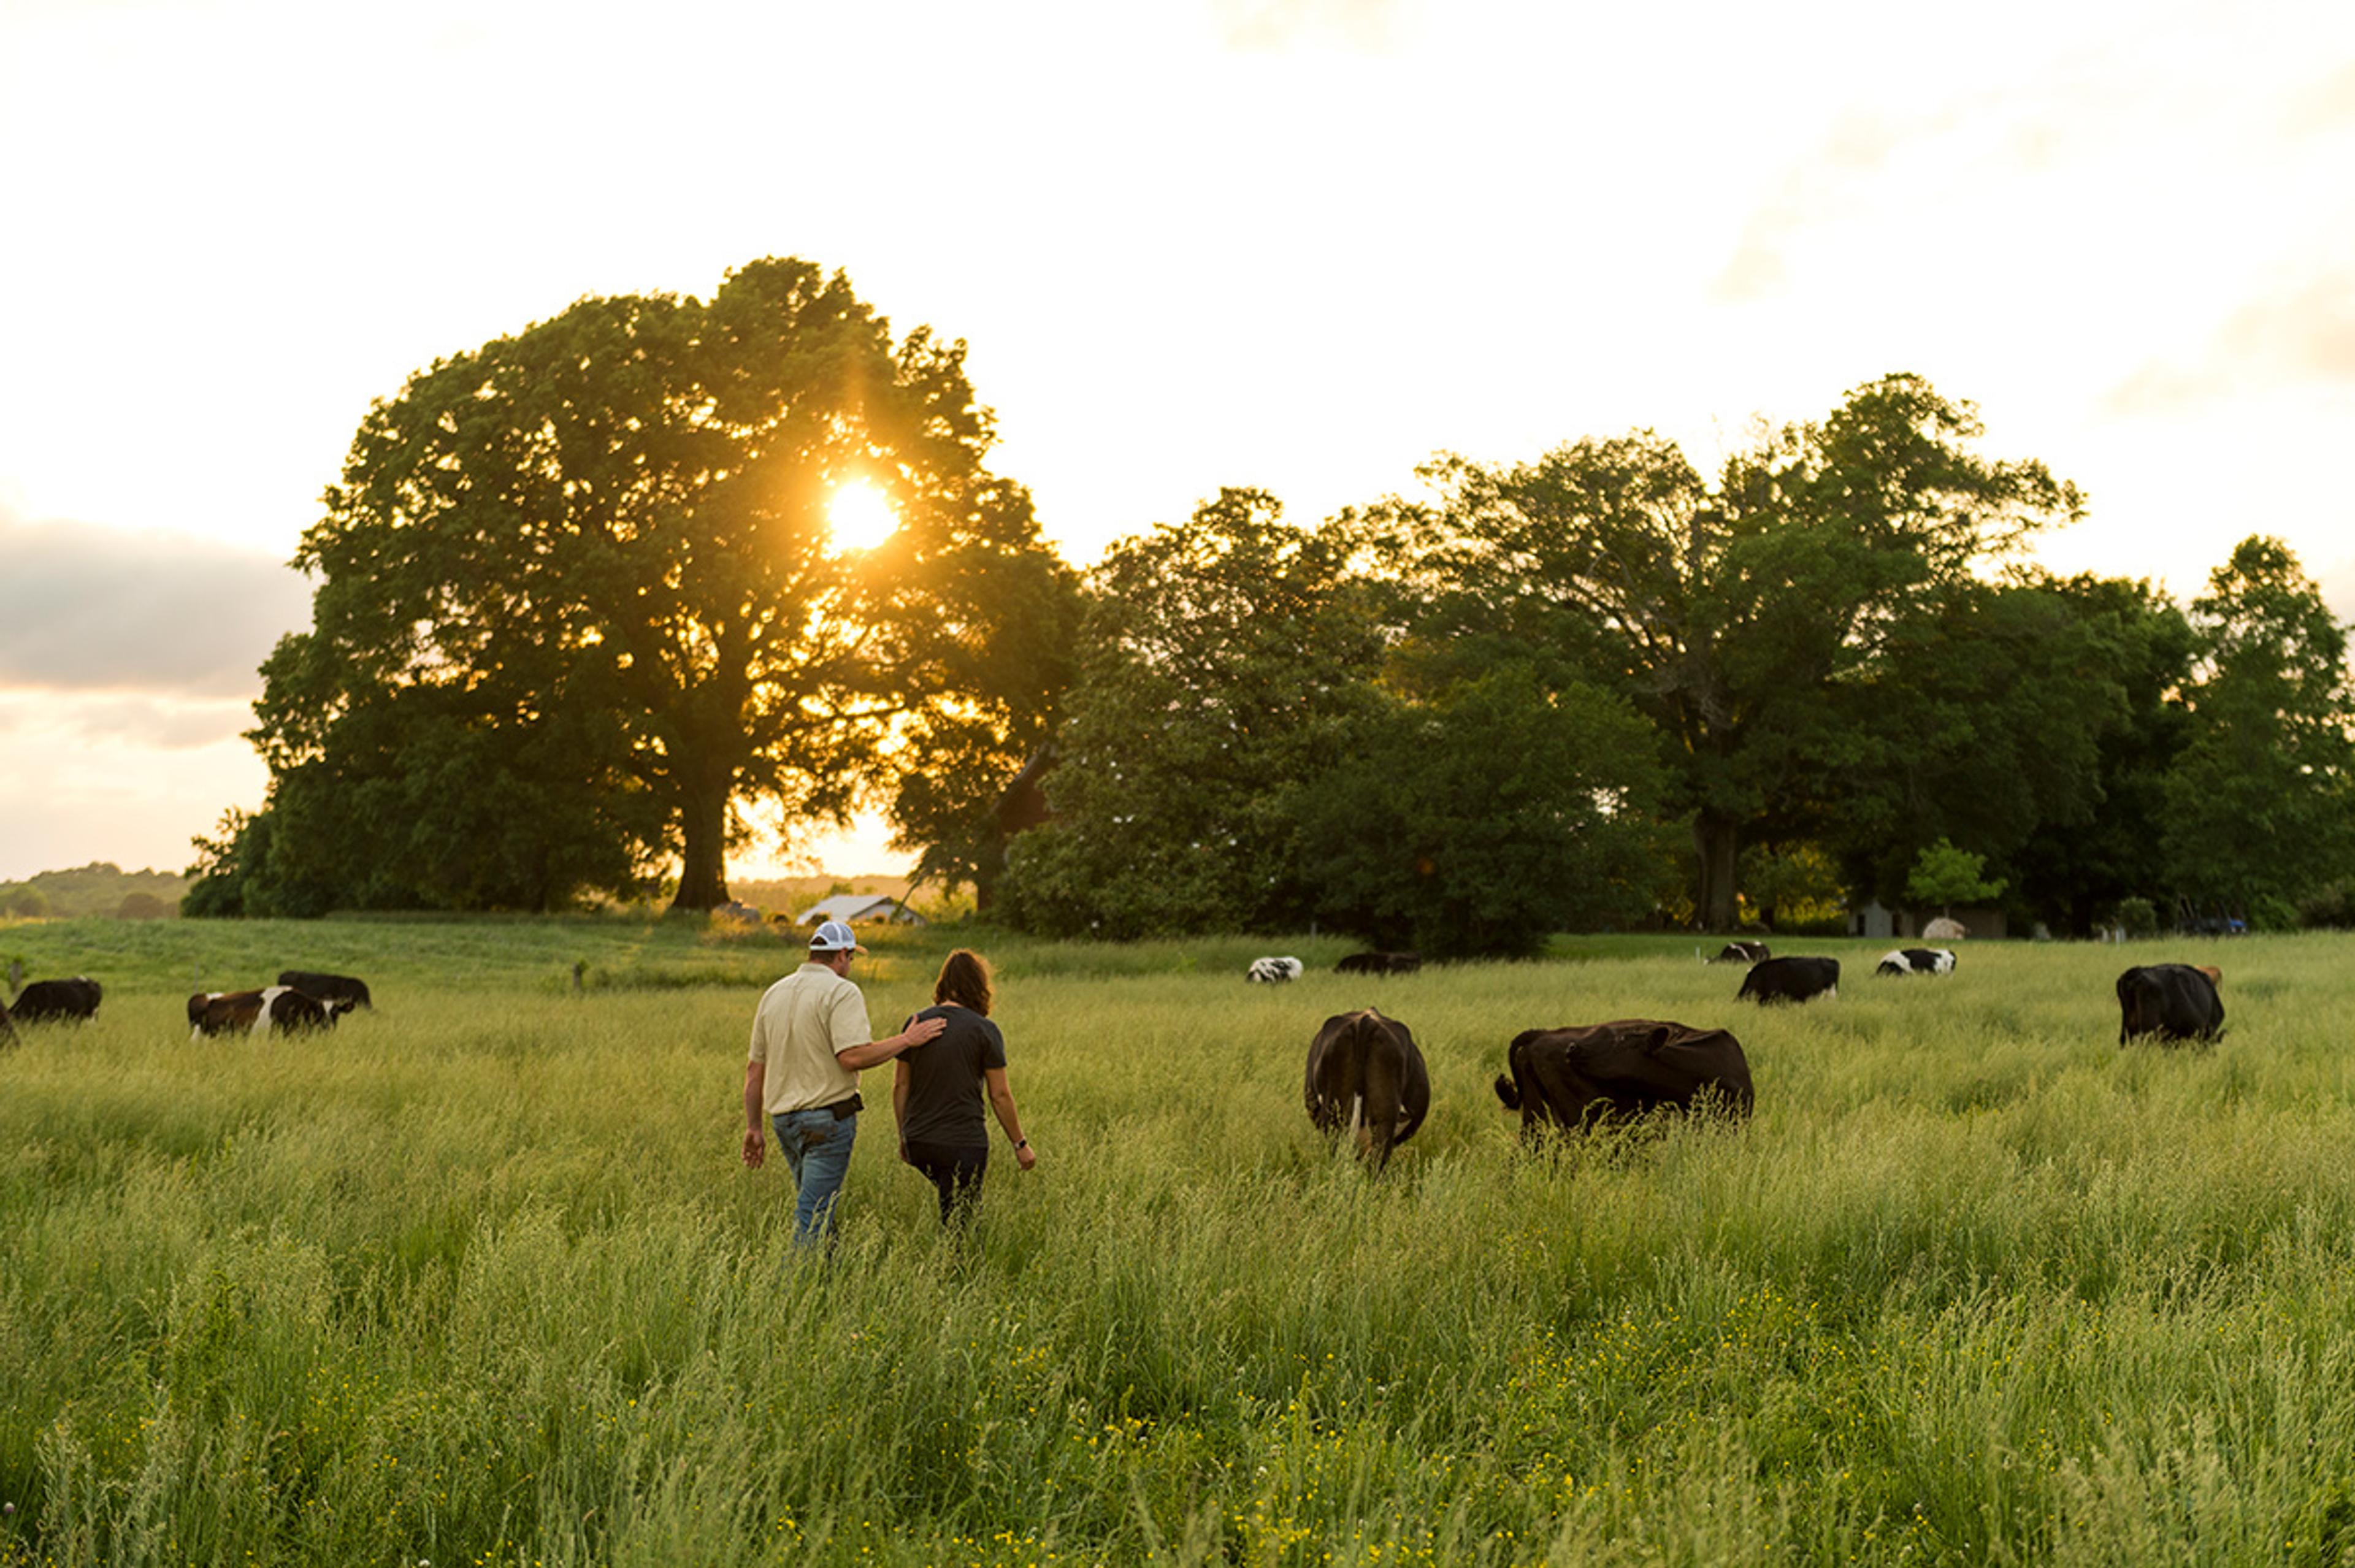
(578, 608)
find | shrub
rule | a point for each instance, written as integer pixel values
(2136, 916)
(2333, 907)
(2270, 912)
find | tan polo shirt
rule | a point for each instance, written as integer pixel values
(802, 1022)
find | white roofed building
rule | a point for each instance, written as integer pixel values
(853, 909)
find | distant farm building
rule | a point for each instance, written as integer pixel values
(1883, 924)
(855, 909)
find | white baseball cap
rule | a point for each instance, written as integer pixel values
(834, 937)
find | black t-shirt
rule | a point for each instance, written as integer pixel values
(944, 1093)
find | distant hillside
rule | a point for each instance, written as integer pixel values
(102, 890)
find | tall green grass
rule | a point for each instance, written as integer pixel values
(479, 1279)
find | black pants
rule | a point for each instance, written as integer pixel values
(956, 1171)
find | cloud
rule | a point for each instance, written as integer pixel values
(2304, 331)
(1270, 25)
(1872, 167)
(90, 609)
(126, 780)
(2308, 332)
(151, 723)
(2329, 105)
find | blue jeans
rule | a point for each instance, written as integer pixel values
(818, 1148)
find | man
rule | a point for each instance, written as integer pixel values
(810, 1040)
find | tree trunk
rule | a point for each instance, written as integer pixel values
(703, 862)
(1715, 838)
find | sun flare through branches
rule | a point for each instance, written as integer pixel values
(860, 517)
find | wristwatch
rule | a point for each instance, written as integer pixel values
(1021, 1142)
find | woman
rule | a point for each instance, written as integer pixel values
(936, 1090)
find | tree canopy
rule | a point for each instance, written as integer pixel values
(1945, 876)
(1220, 659)
(579, 602)
(1456, 724)
(579, 605)
(1731, 613)
(1246, 751)
(2261, 801)
(1475, 821)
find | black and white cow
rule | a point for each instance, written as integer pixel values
(328, 987)
(1367, 1077)
(1274, 971)
(1917, 961)
(280, 1008)
(1568, 1079)
(1741, 953)
(1791, 980)
(1379, 963)
(2170, 1001)
(57, 1001)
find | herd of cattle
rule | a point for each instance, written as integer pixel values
(1367, 1077)
(303, 998)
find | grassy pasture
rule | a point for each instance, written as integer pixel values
(479, 1278)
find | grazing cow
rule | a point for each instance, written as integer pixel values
(1917, 961)
(1570, 1078)
(1274, 971)
(1791, 980)
(280, 1008)
(57, 1001)
(2173, 1001)
(1379, 963)
(1366, 1077)
(328, 987)
(1741, 953)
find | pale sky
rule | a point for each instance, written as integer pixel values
(1297, 244)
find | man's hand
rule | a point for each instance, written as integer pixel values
(756, 1147)
(875, 1052)
(1026, 1157)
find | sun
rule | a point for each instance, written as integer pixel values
(860, 517)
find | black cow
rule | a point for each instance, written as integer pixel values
(57, 1001)
(328, 987)
(1366, 1077)
(1741, 953)
(1790, 980)
(1379, 963)
(1572, 1078)
(1916, 961)
(2173, 1001)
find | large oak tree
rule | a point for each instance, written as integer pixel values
(1729, 611)
(588, 567)
(2261, 801)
